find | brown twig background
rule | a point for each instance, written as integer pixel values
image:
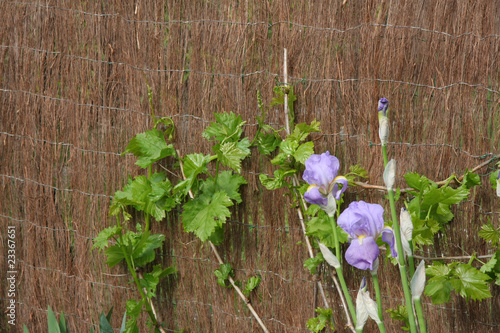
(73, 93)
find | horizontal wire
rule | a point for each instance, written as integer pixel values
(341, 134)
(264, 23)
(56, 188)
(72, 276)
(241, 75)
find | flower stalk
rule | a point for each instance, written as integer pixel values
(395, 225)
(340, 272)
(374, 273)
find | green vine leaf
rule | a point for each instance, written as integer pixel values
(226, 182)
(302, 131)
(303, 152)
(193, 165)
(101, 241)
(471, 283)
(278, 181)
(223, 273)
(138, 246)
(267, 143)
(492, 268)
(232, 153)
(149, 147)
(252, 283)
(312, 263)
(134, 310)
(400, 314)
(226, 126)
(205, 213)
(471, 179)
(151, 280)
(317, 324)
(153, 196)
(321, 228)
(489, 233)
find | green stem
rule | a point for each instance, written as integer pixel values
(420, 315)
(335, 238)
(384, 153)
(381, 327)
(378, 296)
(340, 273)
(347, 296)
(402, 265)
(131, 268)
(412, 266)
(216, 172)
(147, 223)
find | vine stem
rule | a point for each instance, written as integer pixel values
(219, 259)
(401, 259)
(131, 268)
(441, 182)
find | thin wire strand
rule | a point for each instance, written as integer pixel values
(264, 23)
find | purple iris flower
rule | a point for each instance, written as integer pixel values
(321, 175)
(364, 223)
(383, 104)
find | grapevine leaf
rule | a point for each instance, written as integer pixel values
(252, 283)
(144, 246)
(317, 324)
(321, 228)
(226, 182)
(493, 179)
(134, 310)
(492, 268)
(416, 181)
(302, 131)
(356, 171)
(471, 282)
(151, 280)
(278, 181)
(227, 126)
(312, 263)
(217, 236)
(194, 164)
(267, 143)
(438, 269)
(203, 214)
(114, 255)
(471, 179)
(230, 155)
(489, 233)
(303, 152)
(289, 147)
(101, 241)
(223, 273)
(149, 146)
(400, 314)
(439, 289)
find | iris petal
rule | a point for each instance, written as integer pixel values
(362, 254)
(339, 180)
(313, 196)
(321, 169)
(388, 237)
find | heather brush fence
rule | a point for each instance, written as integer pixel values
(73, 92)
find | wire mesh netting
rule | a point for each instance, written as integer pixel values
(73, 93)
